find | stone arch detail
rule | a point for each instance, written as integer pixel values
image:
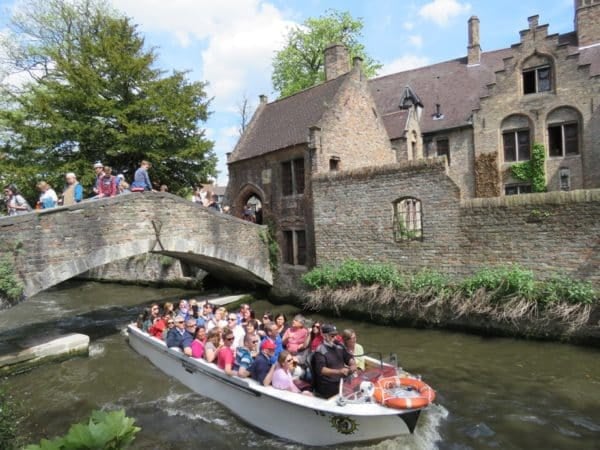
(247, 191)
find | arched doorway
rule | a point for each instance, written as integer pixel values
(249, 204)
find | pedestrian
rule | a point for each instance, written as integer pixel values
(107, 184)
(214, 203)
(73, 191)
(48, 198)
(141, 179)
(99, 171)
(15, 202)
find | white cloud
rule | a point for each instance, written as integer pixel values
(408, 26)
(240, 38)
(442, 11)
(416, 40)
(405, 62)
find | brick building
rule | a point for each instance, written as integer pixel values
(482, 112)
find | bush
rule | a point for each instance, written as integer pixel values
(502, 281)
(564, 289)
(352, 272)
(9, 422)
(104, 430)
(10, 287)
(429, 281)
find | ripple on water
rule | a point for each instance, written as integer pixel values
(96, 350)
(479, 430)
(585, 423)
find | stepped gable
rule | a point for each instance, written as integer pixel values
(453, 85)
(285, 122)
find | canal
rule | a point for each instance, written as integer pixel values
(492, 393)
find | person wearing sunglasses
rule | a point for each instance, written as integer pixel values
(281, 374)
(330, 363)
(180, 337)
(225, 357)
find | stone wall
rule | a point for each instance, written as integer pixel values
(549, 233)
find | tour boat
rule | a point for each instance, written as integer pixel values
(358, 414)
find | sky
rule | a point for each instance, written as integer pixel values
(230, 44)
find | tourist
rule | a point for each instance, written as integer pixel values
(281, 322)
(15, 202)
(331, 362)
(159, 325)
(212, 345)
(198, 342)
(48, 198)
(169, 309)
(204, 315)
(73, 191)
(295, 338)
(267, 319)
(214, 203)
(183, 309)
(250, 329)
(248, 214)
(170, 325)
(196, 196)
(355, 349)
(236, 329)
(273, 335)
(225, 356)
(316, 337)
(219, 319)
(99, 171)
(107, 184)
(141, 179)
(190, 326)
(179, 337)
(243, 356)
(262, 363)
(281, 377)
(153, 316)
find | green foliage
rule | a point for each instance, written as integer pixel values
(104, 430)
(503, 281)
(300, 65)
(352, 272)
(166, 261)
(9, 421)
(429, 280)
(564, 289)
(10, 287)
(96, 95)
(532, 170)
(268, 237)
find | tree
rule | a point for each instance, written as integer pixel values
(94, 94)
(245, 112)
(300, 64)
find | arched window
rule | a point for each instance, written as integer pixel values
(407, 223)
(563, 132)
(538, 75)
(516, 142)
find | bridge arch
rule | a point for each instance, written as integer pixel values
(51, 246)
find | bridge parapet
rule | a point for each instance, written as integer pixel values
(53, 245)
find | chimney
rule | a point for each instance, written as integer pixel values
(474, 49)
(337, 61)
(263, 99)
(587, 22)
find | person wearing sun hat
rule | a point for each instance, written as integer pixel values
(331, 362)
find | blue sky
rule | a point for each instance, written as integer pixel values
(230, 43)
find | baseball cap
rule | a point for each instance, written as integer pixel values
(267, 344)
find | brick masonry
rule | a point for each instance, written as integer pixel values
(549, 233)
(57, 244)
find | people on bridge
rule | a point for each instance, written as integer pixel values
(72, 192)
(141, 179)
(107, 184)
(48, 198)
(330, 363)
(15, 202)
(214, 203)
(99, 171)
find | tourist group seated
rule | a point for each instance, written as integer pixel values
(302, 357)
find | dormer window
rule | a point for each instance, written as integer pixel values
(538, 79)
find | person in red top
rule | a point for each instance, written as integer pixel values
(225, 357)
(107, 184)
(316, 338)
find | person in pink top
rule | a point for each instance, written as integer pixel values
(295, 338)
(225, 356)
(281, 377)
(198, 342)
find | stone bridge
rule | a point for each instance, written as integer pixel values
(53, 245)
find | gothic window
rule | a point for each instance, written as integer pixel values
(538, 79)
(294, 247)
(292, 177)
(516, 145)
(407, 222)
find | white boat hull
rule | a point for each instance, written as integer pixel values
(295, 417)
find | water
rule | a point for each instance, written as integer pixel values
(491, 393)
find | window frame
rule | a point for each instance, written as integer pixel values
(536, 79)
(522, 188)
(447, 152)
(563, 139)
(294, 248)
(515, 133)
(407, 221)
(292, 177)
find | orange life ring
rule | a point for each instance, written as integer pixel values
(382, 393)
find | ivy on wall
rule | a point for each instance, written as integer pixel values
(532, 170)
